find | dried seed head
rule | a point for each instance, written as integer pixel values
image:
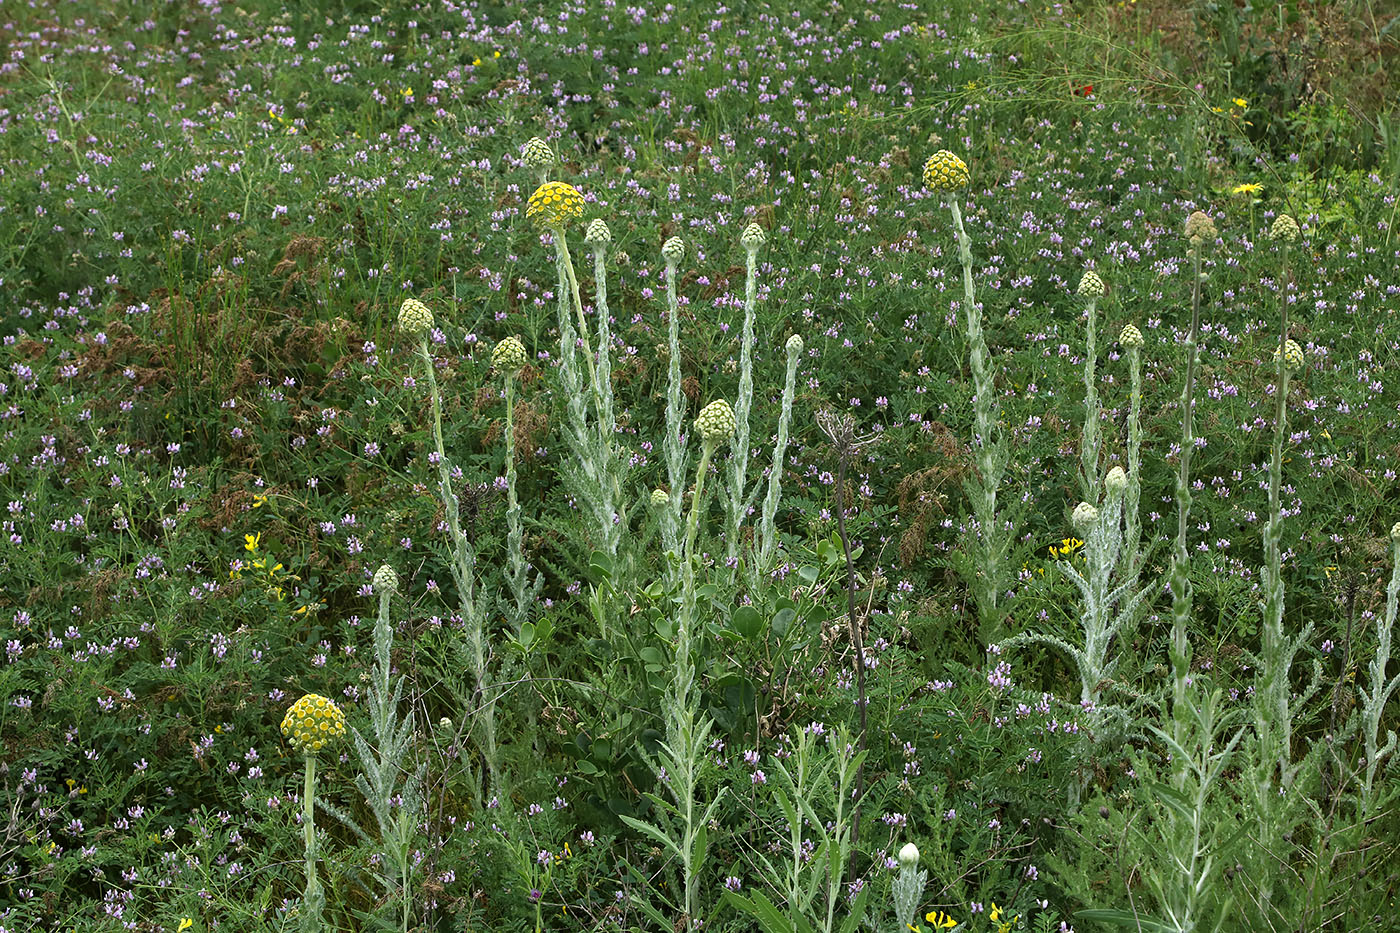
(312, 723)
(1131, 338)
(1091, 286)
(944, 171)
(555, 204)
(509, 356)
(673, 250)
(538, 154)
(715, 422)
(1200, 228)
(414, 317)
(386, 580)
(598, 234)
(753, 237)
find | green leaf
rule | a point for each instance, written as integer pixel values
(763, 910)
(782, 621)
(647, 829)
(857, 912)
(747, 621)
(1124, 918)
(600, 566)
(808, 573)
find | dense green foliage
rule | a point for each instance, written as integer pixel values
(214, 434)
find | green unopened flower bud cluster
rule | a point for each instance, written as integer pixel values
(1285, 229)
(598, 234)
(386, 580)
(673, 250)
(1091, 286)
(1131, 338)
(538, 154)
(715, 422)
(415, 317)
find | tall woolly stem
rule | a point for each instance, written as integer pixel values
(739, 460)
(1132, 533)
(1089, 448)
(1276, 737)
(314, 899)
(675, 411)
(987, 447)
(1180, 572)
(1379, 690)
(464, 576)
(767, 537)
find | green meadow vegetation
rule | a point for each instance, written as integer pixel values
(787, 467)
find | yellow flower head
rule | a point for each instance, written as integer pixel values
(509, 356)
(312, 722)
(1247, 188)
(250, 542)
(1240, 102)
(1292, 355)
(940, 920)
(944, 171)
(554, 204)
(415, 317)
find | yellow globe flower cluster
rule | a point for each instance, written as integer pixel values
(944, 171)
(509, 356)
(312, 723)
(1292, 355)
(555, 204)
(415, 317)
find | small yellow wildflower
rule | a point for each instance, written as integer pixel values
(496, 54)
(407, 93)
(1240, 102)
(476, 62)
(259, 500)
(1247, 188)
(940, 920)
(185, 924)
(250, 542)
